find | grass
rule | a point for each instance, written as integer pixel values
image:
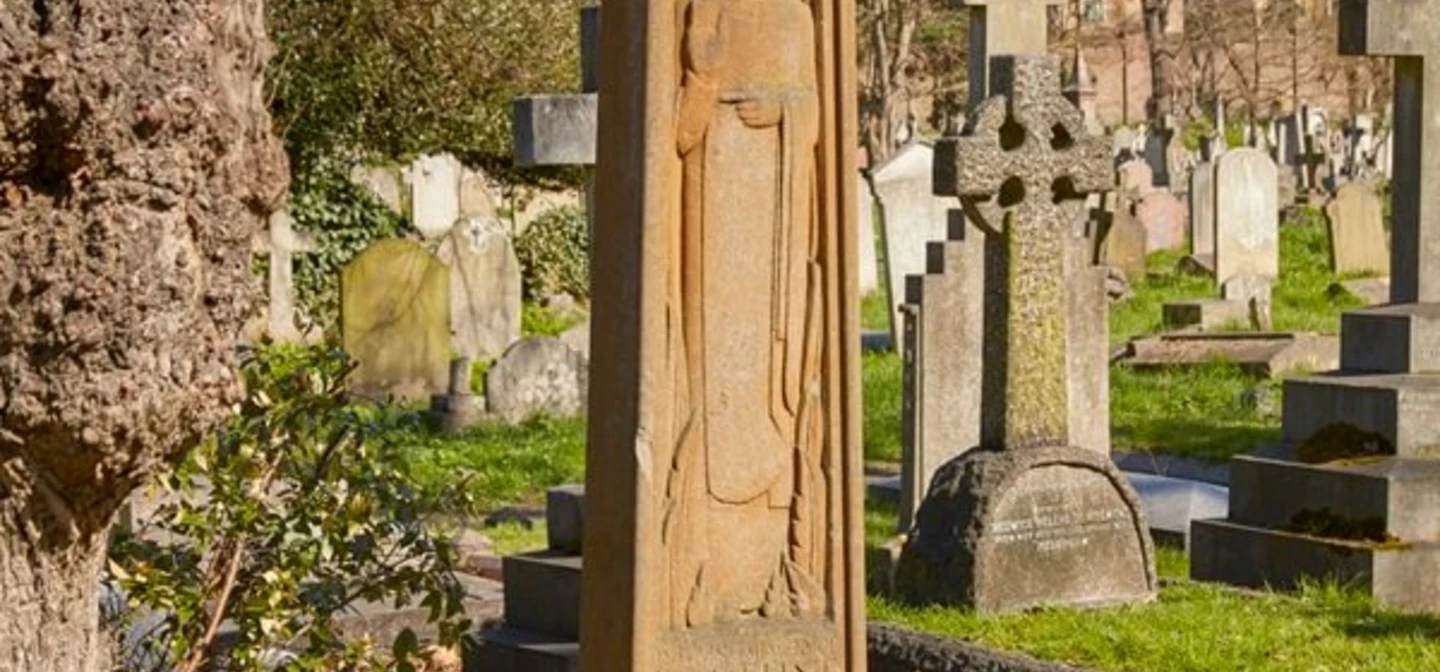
(537, 320)
(1197, 411)
(513, 538)
(874, 312)
(882, 397)
(1192, 626)
(500, 464)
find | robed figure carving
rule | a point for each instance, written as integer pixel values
(744, 520)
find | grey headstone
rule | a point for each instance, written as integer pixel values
(435, 194)
(555, 130)
(1247, 234)
(537, 375)
(485, 288)
(912, 217)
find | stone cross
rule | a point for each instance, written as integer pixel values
(1404, 29)
(1002, 28)
(559, 129)
(1021, 173)
(282, 244)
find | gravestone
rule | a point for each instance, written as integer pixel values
(865, 236)
(395, 321)
(435, 194)
(485, 287)
(1136, 180)
(1202, 214)
(944, 312)
(1124, 245)
(382, 182)
(281, 245)
(539, 374)
(1357, 231)
(1026, 518)
(911, 216)
(722, 489)
(1350, 496)
(1157, 154)
(1163, 217)
(1247, 233)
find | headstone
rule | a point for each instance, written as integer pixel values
(1202, 214)
(1026, 518)
(1352, 499)
(435, 194)
(1082, 93)
(1247, 234)
(911, 217)
(1122, 143)
(1357, 231)
(1125, 245)
(537, 375)
(383, 182)
(485, 287)
(282, 244)
(865, 236)
(944, 310)
(1136, 180)
(722, 492)
(1157, 155)
(395, 321)
(476, 199)
(1163, 217)
(555, 130)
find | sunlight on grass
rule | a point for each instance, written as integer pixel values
(1194, 411)
(1192, 626)
(512, 538)
(500, 464)
(882, 396)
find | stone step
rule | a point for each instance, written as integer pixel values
(1392, 339)
(508, 649)
(1370, 403)
(1395, 496)
(542, 593)
(1403, 576)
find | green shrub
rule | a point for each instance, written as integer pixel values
(554, 254)
(296, 511)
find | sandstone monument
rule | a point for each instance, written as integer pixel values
(723, 505)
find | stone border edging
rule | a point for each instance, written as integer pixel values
(895, 649)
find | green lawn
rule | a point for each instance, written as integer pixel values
(1192, 626)
(499, 464)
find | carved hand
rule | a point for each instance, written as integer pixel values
(757, 113)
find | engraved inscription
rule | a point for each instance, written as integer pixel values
(806, 645)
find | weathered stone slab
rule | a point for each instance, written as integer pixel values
(1202, 210)
(912, 216)
(1357, 231)
(1162, 215)
(1247, 233)
(395, 321)
(538, 374)
(555, 129)
(1171, 504)
(485, 288)
(1136, 180)
(1260, 354)
(435, 194)
(1125, 245)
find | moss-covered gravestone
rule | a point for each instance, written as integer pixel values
(395, 321)
(1025, 518)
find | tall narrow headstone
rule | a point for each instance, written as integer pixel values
(911, 216)
(485, 288)
(435, 194)
(1202, 212)
(1247, 233)
(723, 499)
(865, 236)
(1027, 518)
(281, 244)
(1353, 498)
(395, 321)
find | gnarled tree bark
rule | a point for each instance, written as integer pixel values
(136, 162)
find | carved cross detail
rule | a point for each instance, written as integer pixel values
(1022, 171)
(1406, 30)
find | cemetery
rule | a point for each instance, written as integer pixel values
(723, 336)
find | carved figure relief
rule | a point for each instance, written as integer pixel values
(747, 484)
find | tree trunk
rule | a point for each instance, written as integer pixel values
(50, 611)
(1157, 14)
(136, 163)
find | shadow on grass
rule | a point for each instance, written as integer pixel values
(1203, 440)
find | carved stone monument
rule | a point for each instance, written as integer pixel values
(1026, 518)
(395, 321)
(1351, 493)
(723, 499)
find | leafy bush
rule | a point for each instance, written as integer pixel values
(554, 253)
(298, 509)
(399, 78)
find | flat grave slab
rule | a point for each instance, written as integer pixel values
(1259, 353)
